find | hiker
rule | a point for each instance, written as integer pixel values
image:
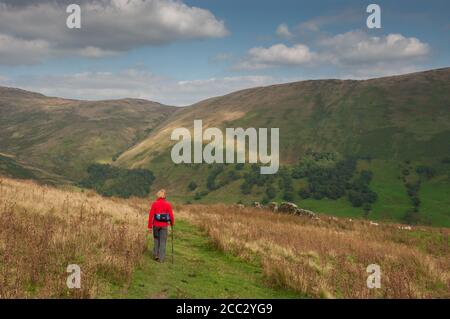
(159, 218)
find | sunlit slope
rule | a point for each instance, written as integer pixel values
(64, 136)
(400, 117)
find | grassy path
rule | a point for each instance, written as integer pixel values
(199, 271)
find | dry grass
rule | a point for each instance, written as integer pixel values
(328, 257)
(43, 230)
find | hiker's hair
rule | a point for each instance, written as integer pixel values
(161, 193)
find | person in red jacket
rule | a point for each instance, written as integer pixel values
(160, 216)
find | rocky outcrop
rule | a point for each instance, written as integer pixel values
(257, 205)
(273, 207)
(284, 207)
(291, 208)
(287, 207)
(306, 212)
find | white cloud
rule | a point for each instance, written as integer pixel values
(354, 52)
(276, 55)
(357, 47)
(283, 31)
(108, 27)
(94, 52)
(14, 50)
(135, 83)
(315, 24)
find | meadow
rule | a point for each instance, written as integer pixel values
(44, 229)
(327, 257)
(220, 251)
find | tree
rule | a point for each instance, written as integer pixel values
(304, 193)
(411, 217)
(192, 186)
(271, 192)
(114, 181)
(367, 208)
(288, 196)
(415, 201)
(355, 198)
(425, 171)
(246, 188)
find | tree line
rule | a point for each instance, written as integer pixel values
(109, 180)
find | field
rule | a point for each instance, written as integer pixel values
(44, 229)
(220, 251)
(391, 126)
(328, 257)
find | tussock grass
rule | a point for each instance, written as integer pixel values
(328, 257)
(44, 229)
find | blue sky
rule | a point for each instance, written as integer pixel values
(180, 52)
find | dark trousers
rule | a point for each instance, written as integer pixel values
(160, 239)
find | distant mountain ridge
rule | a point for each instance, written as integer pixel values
(395, 127)
(65, 136)
(327, 115)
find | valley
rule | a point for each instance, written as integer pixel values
(395, 130)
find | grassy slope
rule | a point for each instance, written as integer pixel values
(64, 136)
(199, 271)
(327, 257)
(390, 119)
(392, 203)
(112, 233)
(9, 166)
(436, 201)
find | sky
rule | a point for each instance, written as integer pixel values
(180, 52)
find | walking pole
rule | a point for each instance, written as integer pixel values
(172, 244)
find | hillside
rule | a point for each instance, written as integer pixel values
(322, 257)
(400, 117)
(65, 136)
(327, 257)
(376, 148)
(391, 126)
(9, 166)
(108, 239)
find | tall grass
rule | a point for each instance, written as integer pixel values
(328, 257)
(43, 230)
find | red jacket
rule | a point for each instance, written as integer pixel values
(160, 206)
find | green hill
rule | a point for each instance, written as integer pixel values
(10, 167)
(391, 126)
(65, 136)
(400, 117)
(390, 134)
